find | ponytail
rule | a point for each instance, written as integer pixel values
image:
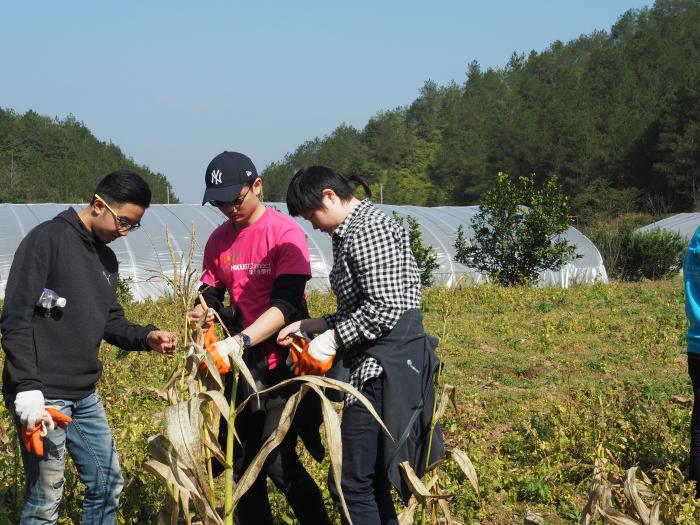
(305, 191)
(363, 183)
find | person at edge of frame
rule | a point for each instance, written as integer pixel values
(260, 257)
(691, 281)
(377, 334)
(51, 356)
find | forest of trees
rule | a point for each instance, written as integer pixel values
(614, 114)
(51, 160)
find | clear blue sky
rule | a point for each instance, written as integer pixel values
(174, 83)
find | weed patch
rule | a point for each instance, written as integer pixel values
(544, 378)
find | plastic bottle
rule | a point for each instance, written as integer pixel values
(49, 300)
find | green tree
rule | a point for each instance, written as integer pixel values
(425, 256)
(614, 114)
(53, 160)
(517, 231)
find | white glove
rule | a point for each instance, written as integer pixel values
(29, 407)
(323, 347)
(226, 347)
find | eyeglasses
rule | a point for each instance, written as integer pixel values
(122, 223)
(236, 202)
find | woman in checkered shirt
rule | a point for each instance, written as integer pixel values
(377, 330)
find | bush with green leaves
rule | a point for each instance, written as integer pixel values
(631, 256)
(612, 238)
(124, 293)
(426, 259)
(517, 231)
(655, 254)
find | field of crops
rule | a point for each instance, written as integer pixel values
(547, 380)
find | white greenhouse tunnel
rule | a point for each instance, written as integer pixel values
(145, 251)
(684, 224)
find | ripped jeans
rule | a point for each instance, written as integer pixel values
(90, 444)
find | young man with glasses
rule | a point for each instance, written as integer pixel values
(51, 357)
(260, 257)
(123, 224)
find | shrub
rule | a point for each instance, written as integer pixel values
(612, 238)
(655, 254)
(425, 256)
(124, 294)
(517, 231)
(631, 256)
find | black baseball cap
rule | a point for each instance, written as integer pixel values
(226, 175)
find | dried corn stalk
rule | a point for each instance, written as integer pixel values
(183, 465)
(618, 497)
(429, 496)
(181, 456)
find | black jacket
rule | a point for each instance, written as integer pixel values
(408, 358)
(59, 354)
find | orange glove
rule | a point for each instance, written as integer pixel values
(34, 439)
(296, 350)
(210, 339)
(210, 336)
(220, 351)
(313, 357)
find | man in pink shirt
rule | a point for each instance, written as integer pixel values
(260, 257)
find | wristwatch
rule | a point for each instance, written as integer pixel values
(244, 340)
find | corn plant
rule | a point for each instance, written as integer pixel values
(428, 496)
(617, 497)
(181, 456)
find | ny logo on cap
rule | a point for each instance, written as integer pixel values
(248, 173)
(216, 176)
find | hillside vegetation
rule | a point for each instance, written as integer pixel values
(547, 379)
(52, 160)
(615, 114)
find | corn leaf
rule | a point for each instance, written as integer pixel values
(331, 424)
(251, 473)
(615, 517)
(448, 394)
(632, 495)
(467, 467)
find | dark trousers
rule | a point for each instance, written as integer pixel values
(282, 467)
(364, 482)
(694, 467)
(253, 426)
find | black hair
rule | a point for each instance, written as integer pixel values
(305, 191)
(123, 186)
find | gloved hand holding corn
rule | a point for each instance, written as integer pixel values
(312, 357)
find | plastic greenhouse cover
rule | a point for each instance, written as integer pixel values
(146, 249)
(683, 223)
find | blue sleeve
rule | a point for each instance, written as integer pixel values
(691, 281)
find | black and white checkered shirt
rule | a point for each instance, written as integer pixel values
(375, 280)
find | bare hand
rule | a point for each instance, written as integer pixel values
(283, 338)
(162, 342)
(197, 316)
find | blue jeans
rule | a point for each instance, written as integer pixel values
(90, 444)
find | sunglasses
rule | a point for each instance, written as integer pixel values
(122, 223)
(235, 203)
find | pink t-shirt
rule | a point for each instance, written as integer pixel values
(247, 261)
